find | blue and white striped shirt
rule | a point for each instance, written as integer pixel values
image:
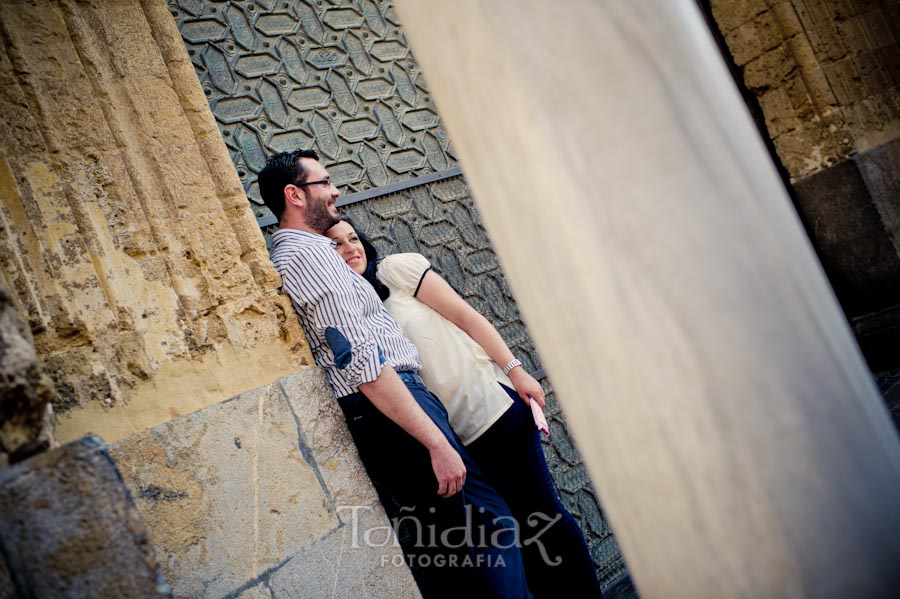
(350, 332)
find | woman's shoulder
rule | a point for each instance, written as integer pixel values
(402, 270)
(403, 259)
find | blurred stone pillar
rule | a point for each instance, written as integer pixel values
(727, 419)
(70, 528)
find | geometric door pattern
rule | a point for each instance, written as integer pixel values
(337, 76)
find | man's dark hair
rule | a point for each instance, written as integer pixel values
(282, 169)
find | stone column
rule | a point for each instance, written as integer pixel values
(124, 229)
(736, 439)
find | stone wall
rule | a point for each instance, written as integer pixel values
(263, 495)
(123, 225)
(826, 76)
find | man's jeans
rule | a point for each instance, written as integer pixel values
(432, 530)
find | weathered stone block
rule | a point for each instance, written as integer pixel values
(260, 591)
(226, 492)
(328, 439)
(344, 564)
(7, 588)
(41, 44)
(770, 69)
(880, 168)
(874, 76)
(856, 250)
(71, 530)
(786, 17)
(819, 90)
(818, 19)
(853, 34)
(731, 14)
(878, 28)
(807, 150)
(744, 43)
(803, 53)
(25, 389)
(776, 107)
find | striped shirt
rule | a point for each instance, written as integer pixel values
(350, 332)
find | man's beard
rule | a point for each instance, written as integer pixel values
(318, 218)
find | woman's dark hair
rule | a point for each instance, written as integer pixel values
(372, 260)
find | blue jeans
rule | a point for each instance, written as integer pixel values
(432, 530)
(510, 454)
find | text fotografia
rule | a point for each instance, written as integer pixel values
(444, 561)
(503, 533)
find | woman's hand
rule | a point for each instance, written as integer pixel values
(526, 386)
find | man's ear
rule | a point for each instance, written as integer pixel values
(294, 197)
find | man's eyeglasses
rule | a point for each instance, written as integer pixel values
(325, 182)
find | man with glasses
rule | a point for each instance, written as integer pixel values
(462, 538)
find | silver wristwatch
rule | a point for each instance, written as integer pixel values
(512, 364)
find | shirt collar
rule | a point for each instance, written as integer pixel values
(304, 236)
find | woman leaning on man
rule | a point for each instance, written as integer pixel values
(487, 394)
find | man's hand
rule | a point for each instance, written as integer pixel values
(448, 469)
(526, 386)
(393, 399)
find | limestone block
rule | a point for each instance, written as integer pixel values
(802, 53)
(40, 40)
(853, 33)
(880, 168)
(874, 76)
(343, 564)
(819, 90)
(7, 588)
(878, 27)
(769, 69)
(70, 528)
(226, 492)
(25, 389)
(776, 107)
(787, 18)
(754, 38)
(17, 120)
(328, 439)
(731, 14)
(806, 151)
(260, 591)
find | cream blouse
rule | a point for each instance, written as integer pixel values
(455, 368)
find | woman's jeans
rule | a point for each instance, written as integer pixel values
(432, 530)
(555, 553)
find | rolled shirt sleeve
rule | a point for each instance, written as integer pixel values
(350, 333)
(337, 314)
